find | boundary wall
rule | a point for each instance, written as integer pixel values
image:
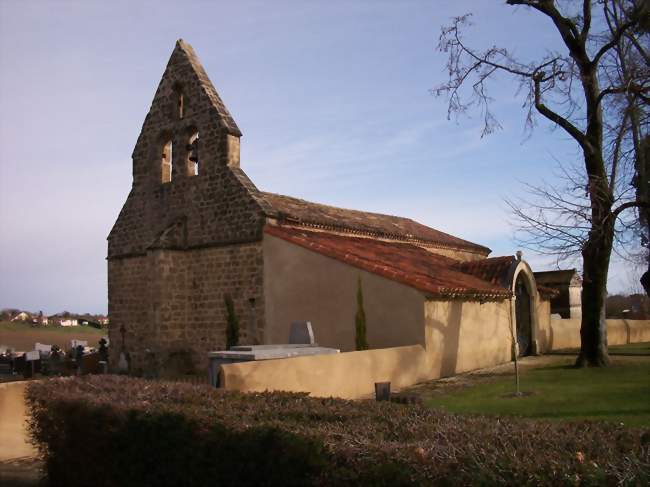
(352, 375)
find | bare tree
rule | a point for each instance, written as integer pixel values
(584, 90)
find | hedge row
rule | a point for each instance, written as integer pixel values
(119, 431)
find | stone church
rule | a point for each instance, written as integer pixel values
(194, 228)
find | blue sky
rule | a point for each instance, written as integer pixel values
(332, 98)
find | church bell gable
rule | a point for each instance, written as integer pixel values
(188, 130)
(188, 190)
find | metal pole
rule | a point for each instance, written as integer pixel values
(517, 367)
(515, 345)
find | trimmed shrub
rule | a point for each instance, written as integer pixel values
(121, 431)
(232, 323)
(360, 339)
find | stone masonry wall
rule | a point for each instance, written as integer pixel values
(171, 304)
(128, 304)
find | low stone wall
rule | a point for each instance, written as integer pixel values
(564, 334)
(349, 375)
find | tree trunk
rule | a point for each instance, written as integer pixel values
(593, 330)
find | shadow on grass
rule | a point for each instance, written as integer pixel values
(586, 414)
(631, 350)
(554, 367)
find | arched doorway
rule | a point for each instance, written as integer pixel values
(522, 313)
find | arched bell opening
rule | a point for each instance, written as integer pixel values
(192, 148)
(166, 158)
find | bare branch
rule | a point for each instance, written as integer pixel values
(616, 37)
(586, 19)
(631, 88)
(617, 149)
(565, 27)
(571, 129)
(628, 205)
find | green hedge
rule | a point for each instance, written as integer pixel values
(120, 431)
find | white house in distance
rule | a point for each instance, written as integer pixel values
(57, 320)
(22, 316)
(69, 322)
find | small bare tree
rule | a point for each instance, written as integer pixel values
(595, 89)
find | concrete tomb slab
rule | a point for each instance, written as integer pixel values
(271, 353)
(216, 359)
(252, 348)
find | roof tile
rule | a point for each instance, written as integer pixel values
(305, 213)
(409, 264)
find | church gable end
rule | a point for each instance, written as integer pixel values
(188, 235)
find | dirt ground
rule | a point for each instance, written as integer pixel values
(24, 340)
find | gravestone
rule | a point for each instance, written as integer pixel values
(123, 364)
(103, 367)
(75, 343)
(33, 355)
(301, 333)
(43, 348)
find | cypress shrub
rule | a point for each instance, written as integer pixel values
(232, 323)
(360, 339)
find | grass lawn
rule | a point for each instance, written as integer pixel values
(631, 349)
(22, 336)
(620, 393)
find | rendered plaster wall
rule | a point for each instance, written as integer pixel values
(566, 333)
(171, 304)
(467, 335)
(304, 285)
(350, 375)
(460, 336)
(13, 424)
(544, 325)
(575, 301)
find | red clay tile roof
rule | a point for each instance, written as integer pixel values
(402, 262)
(547, 292)
(497, 270)
(305, 213)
